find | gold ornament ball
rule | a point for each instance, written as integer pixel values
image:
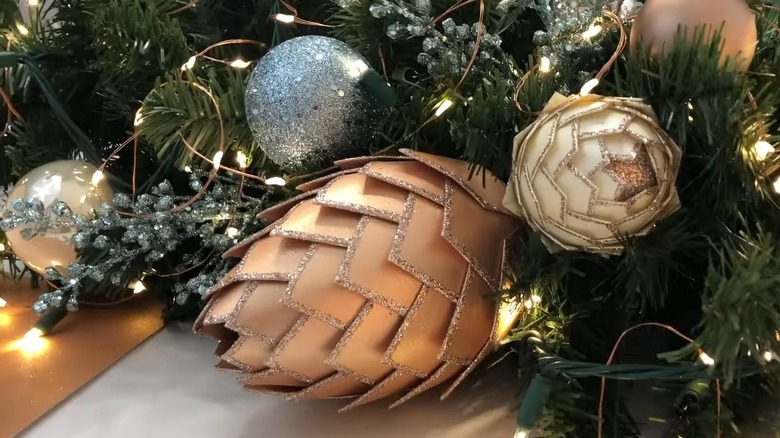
(67, 181)
(592, 170)
(658, 22)
(373, 283)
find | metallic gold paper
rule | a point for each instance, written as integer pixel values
(370, 285)
(592, 170)
(659, 21)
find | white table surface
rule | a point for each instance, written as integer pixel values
(169, 388)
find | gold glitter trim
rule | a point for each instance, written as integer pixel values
(494, 205)
(332, 359)
(396, 381)
(397, 248)
(282, 209)
(322, 199)
(319, 183)
(272, 361)
(343, 279)
(304, 394)
(378, 175)
(452, 330)
(444, 373)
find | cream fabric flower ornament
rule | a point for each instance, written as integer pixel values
(593, 170)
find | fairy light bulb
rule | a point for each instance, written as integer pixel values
(776, 185)
(3, 302)
(444, 106)
(706, 359)
(33, 333)
(592, 31)
(275, 181)
(589, 86)
(284, 18)
(231, 232)
(763, 149)
(2, 247)
(22, 29)
(241, 159)
(217, 160)
(33, 3)
(768, 356)
(239, 63)
(190, 63)
(97, 177)
(138, 287)
(545, 65)
(139, 117)
(521, 433)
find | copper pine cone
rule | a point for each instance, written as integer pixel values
(371, 283)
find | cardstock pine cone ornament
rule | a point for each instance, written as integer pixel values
(370, 284)
(593, 170)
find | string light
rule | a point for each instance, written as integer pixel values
(592, 31)
(217, 160)
(776, 185)
(22, 29)
(508, 312)
(520, 433)
(544, 64)
(188, 169)
(357, 68)
(189, 64)
(239, 63)
(275, 181)
(2, 247)
(444, 106)
(589, 86)
(32, 3)
(241, 159)
(533, 301)
(3, 302)
(706, 359)
(97, 177)
(139, 118)
(763, 149)
(769, 356)
(231, 232)
(32, 344)
(284, 18)
(138, 287)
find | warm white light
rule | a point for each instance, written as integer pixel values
(97, 177)
(284, 18)
(532, 301)
(357, 68)
(508, 312)
(138, 287)
(706, 359)
(139, 118)
(544, 64)
(520, 433)
(275, 181)
(22, 29)
(3, 302)
(217, 160)
(32, 3)
(2, 247)
(190, 63)
(188, 169)
(776, 185)
(763, 149)
(769, 356)
(589, 86)
(592, 31)
(33, 333)
(231, 232)
(241, 159)
(239, 63)
(443, 107)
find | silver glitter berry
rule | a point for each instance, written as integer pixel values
(313, 100)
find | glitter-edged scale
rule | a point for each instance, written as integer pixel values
(370, 285)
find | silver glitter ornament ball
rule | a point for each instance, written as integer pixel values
(313, 100)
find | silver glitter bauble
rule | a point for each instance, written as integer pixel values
(313, 100)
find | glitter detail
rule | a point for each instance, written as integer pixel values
(318, 183)
(427, 159)
(455, 324)
(634, 173)
(272, 361)
(332, 360)
(369, 170)
(295, 115)
(323, 199)
(399, 337)
(343, 279)
(444, 373)
(304, 393)
(398, 244)
(645, 176)
(395, 381)
(283, 208)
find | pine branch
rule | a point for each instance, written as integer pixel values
(177, 107)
